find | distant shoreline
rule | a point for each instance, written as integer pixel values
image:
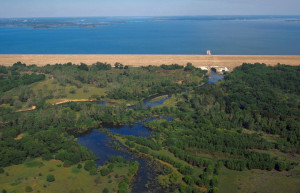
(145, 60)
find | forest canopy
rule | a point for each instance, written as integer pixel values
(237, 123)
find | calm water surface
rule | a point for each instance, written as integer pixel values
(245, 35)
(101, 145)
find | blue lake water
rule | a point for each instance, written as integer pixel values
(244, 35)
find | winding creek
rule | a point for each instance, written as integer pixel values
(102, 145)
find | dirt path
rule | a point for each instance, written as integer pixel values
(72, 100)
(61, 102)
(28, 109)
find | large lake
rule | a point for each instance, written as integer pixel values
(245, 35)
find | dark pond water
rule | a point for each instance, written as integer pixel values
(137, 129)
(213, 78)
(102, 145)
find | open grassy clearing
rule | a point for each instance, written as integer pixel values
(251, 181)
(158, 98)
(170, 102)
(34, 173)
(85, 92)
(280, 155)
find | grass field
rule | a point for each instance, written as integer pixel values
(49, 84)
(33, 173)
(170, 102)
(251, 181)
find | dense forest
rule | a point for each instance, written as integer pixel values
(238, 121)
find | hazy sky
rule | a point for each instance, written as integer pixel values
(62, 8)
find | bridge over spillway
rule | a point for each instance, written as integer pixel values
(218, 69)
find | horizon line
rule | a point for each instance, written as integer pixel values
(151, 16)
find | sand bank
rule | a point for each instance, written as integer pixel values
(144, 60)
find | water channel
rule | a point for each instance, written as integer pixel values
(102, 145)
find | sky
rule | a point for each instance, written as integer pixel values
(74, 8)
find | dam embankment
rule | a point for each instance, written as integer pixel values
(229, 61)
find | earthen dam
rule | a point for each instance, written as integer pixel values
(222, 61)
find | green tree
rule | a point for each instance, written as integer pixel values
(50, 178)
(189, 180)
(105, 171)
(89, 165)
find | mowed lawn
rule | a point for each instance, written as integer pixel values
(34, 174)
(259, 181)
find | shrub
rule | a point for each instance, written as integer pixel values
(89, 165)
(50, 178)
(105, 171)
(1, 170)
(67, 163)
(105, 190)
(79, 166)
(28, 189)
(93, 171)
(123, 187)
(72, 90)
(188, 179)
(47, 156)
